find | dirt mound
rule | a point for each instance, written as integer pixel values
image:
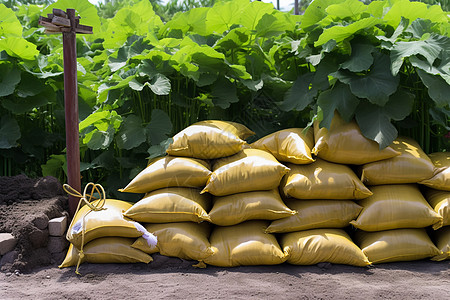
(26, 206)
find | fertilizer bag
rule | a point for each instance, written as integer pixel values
(244, 244)
(209, 140)
(258, 205)
(288, 145)
(313, 214)
(441, 180)
(395, 206)
(345, 144)
(170, 171)
(185, 240)
(106, 250)
(442, 241)
(246, 171)
(396, 245)
(323, 180)
(173, 204)
(440, 202)
(322, 245)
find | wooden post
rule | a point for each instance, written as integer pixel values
(68, 24)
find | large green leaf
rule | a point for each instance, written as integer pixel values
(430, 48)
(349, 8)
(131, 133)
(159, 128)
(412, 10)
(337, 98)
(19, 105)
(9, 132)
(274, 24)
(193, 20)
(159, 84)
(438, 89)
(316, 11)
(252, 14)
(235, 38)
(400, 105)
(99, 139)
(9, 78)
(443, 69)
(224, 14)
(9, 24)
(55, 166)
(340, 33)
(19, 47)
(361, 58)
(377, 85)
(300, 95)
(224, 93)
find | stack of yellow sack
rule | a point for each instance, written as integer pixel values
(99, 233)
(393, 220)
(437, 194)
(322, 193)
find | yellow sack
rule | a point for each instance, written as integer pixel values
(246, 171)
(106, 250)
(345, 144)
(174, 204)
(313, 214)
(440, 202)
(244, 244)
(322, 245)
(102, 223)
(323, 180)
(185, 240)
(209, 140)
(440, 181)
(259, 205)
(170, 171)
(411, 166)
(442, 238)
(395, 206)
(288, 145)
(396, 245)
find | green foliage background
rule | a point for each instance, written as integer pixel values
(141, 80)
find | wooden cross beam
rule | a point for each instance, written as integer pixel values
(68, 24)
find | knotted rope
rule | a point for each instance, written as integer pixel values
(86, 199)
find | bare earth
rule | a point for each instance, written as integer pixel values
(172, 278)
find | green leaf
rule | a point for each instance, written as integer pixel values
(9, 132)
(118, 59)
(435, 70)
(300, 95)
(361, 58)
(412, 10)
(377, 85)
(9, 78)
(235, 38)
(55, 166)
(438, 89)
(19, 47)
(9, 24)
(349, 8)
(193, 20)
(224, 93)
(375, 124)
(224, 14)
(252, 14)
(400, 105)
(274, 24)
(430, 48)
(159, 84)
(159, 150)
(131, 133)
(29, 86)
(339, 97)
(18, 105)
(340, 33)
(441, 116)
(99, 139)
(159, 128)
(316, 11)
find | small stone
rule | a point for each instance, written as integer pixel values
(57, 226)
(48, 277)
(41, 222)
(17, 272)
(8, 274)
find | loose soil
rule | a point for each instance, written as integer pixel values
(33, 274)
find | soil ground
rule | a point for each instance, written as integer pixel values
(33, 274)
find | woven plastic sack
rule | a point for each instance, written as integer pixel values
(170, 171)
(244, 244)
(323, 180)
(441, 180)
(172, 204)
(395, 206)
(209, 140)
(103, 223)
(396, 245)
(322, 245)
(258, 205)
(288, 145)
(106, 250)
(440, 202)
(345, 144)
(185, 240)
(442, 241)
(246, 171)
(411, 166)
(313, 214)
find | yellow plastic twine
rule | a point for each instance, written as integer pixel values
(85, 199)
